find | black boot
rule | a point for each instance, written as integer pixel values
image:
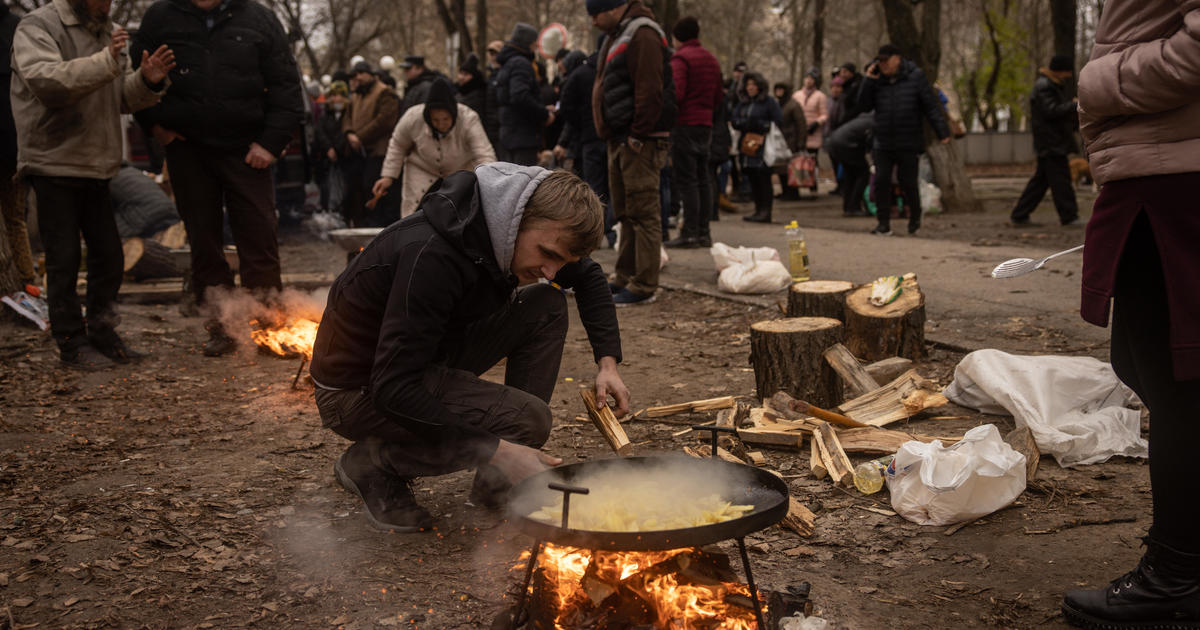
(1162, 591)
(389, 499)
(759, 216)
(219, 342)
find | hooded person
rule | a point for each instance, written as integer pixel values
(437, 299)
(430, 142)
(472, 88)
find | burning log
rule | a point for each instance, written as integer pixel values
(295, 338)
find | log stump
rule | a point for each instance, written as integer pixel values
(819, 298)
(787, 357)
(146, 258)
(879, 332)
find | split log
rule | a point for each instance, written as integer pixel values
(756, 458)
(815, 463)
(778, 437)
(786, 355)
(882, 441)
(147, 258)
(819, 298)
(896, 329)
(888, 369)
(1021, 439)
(841, 471)
(705, 452)
(174, 237)
(607, 423)
(904, 397)
(799, 518)
(708, 404)
(780, 404)
(858, 380)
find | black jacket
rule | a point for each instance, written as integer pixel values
(404, 303)
(328, 135)
(575, 101)
(901, 102)
(233, 84)
(8, 127)
(473, 94)
(1054, 118)
(416, 92)
(519, 95)
(850, 105)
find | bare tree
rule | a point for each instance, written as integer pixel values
(818, 37)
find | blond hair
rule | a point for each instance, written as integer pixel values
(564, 198)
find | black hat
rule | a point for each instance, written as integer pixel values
(470, 65)
(523, 36)
(1062, 63)
(887, 50)
(363, 66)
(850, 66)
(596, 7)
(412, 60)
(686, 29)
(441, 96)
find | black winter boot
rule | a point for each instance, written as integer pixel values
(1161, 592)
(388, 498)
(759, 216)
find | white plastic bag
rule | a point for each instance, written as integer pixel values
(931, 197)
(1075, 407)
(764, 276)
(724, 255)
(776, 149)
(936, 485)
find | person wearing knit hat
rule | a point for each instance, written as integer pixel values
(523, 36)
(1054, 122)
(522, 115)
(472, 89)
(596, 7)
(338, 88)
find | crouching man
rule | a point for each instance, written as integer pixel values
(438, 299)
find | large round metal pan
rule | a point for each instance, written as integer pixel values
(766, 492)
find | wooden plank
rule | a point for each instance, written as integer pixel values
(886, 370)
(756, 458)
(815, 463)
(708, 404)
(704, 452)
(769, 438)
(853, 374)
(607, 423)
(841, 471)
(882, 441)
(902, 398)
(799, 518)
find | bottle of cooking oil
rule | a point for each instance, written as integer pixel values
(868, 476)
(797, 252)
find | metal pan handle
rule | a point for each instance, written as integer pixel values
(567, 492)
(713, 431)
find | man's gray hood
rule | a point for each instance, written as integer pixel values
(504, 190)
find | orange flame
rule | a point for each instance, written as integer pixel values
(675, 605)
(295, 337)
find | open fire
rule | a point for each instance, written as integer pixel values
(577, 589)
(294, 338)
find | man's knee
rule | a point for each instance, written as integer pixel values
(537, 419)
(546, 300)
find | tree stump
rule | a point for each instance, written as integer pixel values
(819, 298)
(879, 332)
(787, 357)
(146, 258)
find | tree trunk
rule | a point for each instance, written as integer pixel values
(669, 15)
(1062, 16)
(951, 177)
(787, 357)
(10, 278)
(819, 298)
(481, 31)
(879, 332)
(819, 36)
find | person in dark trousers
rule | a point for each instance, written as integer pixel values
(374, 112)
(718, 160)
(71, 80)
(522, 114)
(435, 301)
(1139, 115)
(491, 118)
(699, 92)
(1054, 123)
(633, 105)
(848, 145)
(472, 87)
(234, 103)
(755, 115)
(330, 148)
(12, 189)
(578, 137)
(417, 81)
(897, 90)
(795, 132)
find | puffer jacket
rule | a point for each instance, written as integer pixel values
(795, 125)
(1139, 96)
(522, 113)
(233, 84)
(816, 110)
(634, 93)
(755, 115)
(1054, 117)
(68, 93)
(408, 298)
(698, 89)
(416, 91)
(901, 102)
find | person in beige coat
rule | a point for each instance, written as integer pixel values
(72, 80)
(432, 141)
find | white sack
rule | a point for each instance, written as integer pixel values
(1074, 406)
(724, 255)
(775, 149)
(936, 485)
(765, 276)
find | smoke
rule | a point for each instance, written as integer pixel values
(321, 223)
(235, 309)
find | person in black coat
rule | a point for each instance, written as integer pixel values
(1054, 122)
(848, 145)
(436, 300)
(897, 90)
(755, 115)
(330, 147)
(578, 138)
(418, 80)
(472, 88)
(518, 90)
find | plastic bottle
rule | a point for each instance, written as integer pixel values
(797, 252)
(868, 476)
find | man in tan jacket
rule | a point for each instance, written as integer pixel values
(374, 111)
(72, 80)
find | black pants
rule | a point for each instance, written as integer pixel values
(208, 183)
(523, 157)
(905, 164)
(66, 208)
(530, 332)
(689, 155)
(1141, 357)
(593, 165)
(1054, 173)
(387, 209)
(854, 183)
(760, 187)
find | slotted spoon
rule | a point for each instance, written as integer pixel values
(1021, 266)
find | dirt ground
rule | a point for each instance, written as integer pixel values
(193, 492)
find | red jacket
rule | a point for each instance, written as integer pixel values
(698, 89)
